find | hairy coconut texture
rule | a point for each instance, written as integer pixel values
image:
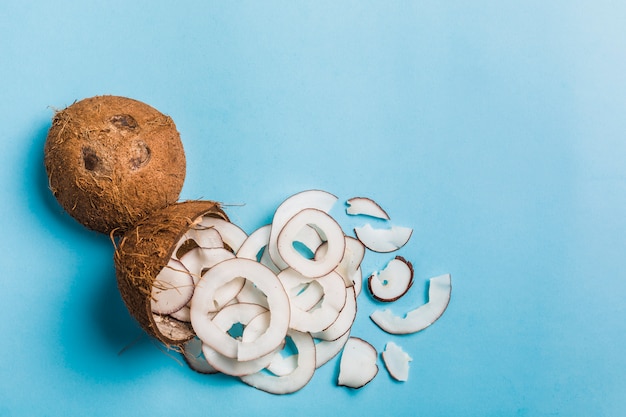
(112, 160)
(144, 251)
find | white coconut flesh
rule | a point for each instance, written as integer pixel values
(344, 320)
(311, 199)
(330, 232)
(199, 259)
(255, 320)
(396, 361)
(323, 315)
(325, 350)
(172, 288)
(357, 366)
(350, 264)
(294, 380)
(365, 207)
(254, 244)
(393, 281)
(383, 240)
(203, 302)
(232, 235)
(439, 292)
(194, 237)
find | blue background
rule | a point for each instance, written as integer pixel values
(496, 130)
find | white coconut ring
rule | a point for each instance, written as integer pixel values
(327, 228)
(202, 304)
(317, 199)
(172, 288)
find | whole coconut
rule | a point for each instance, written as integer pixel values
(113, 160)
(144, 251)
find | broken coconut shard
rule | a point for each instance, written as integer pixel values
(113, 160)
(144, 251)
(416, 320)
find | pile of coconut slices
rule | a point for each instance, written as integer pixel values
(273, 306)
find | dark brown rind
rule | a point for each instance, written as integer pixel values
(144, 251)
(112, 160)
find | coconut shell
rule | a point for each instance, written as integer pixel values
(144, 251)
(113, 160)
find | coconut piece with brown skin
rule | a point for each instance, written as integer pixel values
(112, 160)
(144, 251)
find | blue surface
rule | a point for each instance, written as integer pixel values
(495, 129)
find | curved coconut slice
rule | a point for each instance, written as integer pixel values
(365, 207)
(255, 248)
(317, 199)
(393, 281)
(202, 303)
(252, 295)
(357, 366)
(144, 251)
(255, 242)
(295, 380)
(325, 350)
(349, 267)
(283, 365)
(383, 240)
(192, 352)
(319, 318)
(344, 320)
(422, 317)
(306, 296)
(199, 259)
(257, 323)
(396, 361)
(172, 288)
(327, 228)
(232, 236)
(207, 238)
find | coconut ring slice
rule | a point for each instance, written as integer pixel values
(202, 304)
(144, 251)
(330, 232)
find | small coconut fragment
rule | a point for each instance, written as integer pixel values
(357, 366)
(365, 207)
(396, 361)
(143, 252)
(393, 281)
(423, 316)
(112, 161)
(383, 240)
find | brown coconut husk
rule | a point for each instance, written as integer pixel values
(112, 160)
(144, 251)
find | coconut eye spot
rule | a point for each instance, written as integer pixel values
(139, 155)
(90, 159)
(124, 121)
